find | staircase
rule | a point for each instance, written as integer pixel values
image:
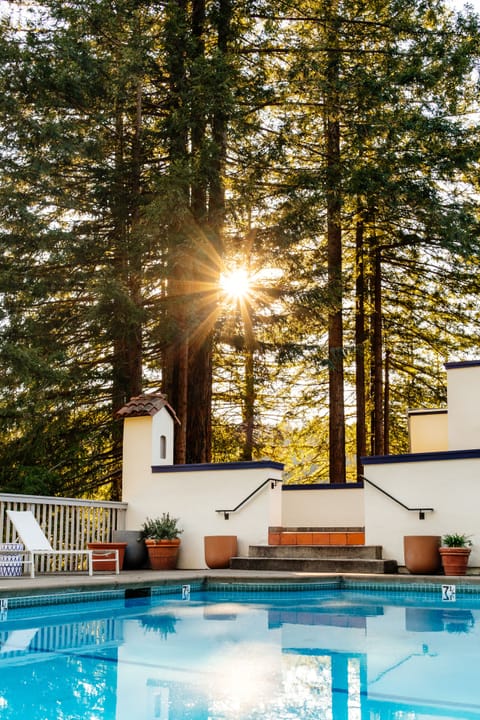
(325, 550)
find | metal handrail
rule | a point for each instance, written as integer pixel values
(421, 510)
(273, 483)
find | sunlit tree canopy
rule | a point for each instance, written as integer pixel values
(269, 211)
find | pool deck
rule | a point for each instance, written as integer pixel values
(44, 584)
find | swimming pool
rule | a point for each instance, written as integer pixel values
(323, 654)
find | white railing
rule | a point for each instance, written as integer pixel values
(68, 523)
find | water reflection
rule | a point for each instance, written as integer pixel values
(452, 620)
(328, 656)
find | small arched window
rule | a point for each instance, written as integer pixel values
(163, 447)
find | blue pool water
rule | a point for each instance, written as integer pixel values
(323, 655)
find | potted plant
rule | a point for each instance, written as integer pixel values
(455, 551)
(162, 541)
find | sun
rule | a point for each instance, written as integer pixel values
(235, 283)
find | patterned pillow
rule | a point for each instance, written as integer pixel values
(11, 564)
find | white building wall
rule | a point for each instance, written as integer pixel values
(195, 493)
(325, 507)
(428, 430)
(448, 481)
(463, 393)
(449, 485)
(162, 438)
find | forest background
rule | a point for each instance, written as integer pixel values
(266, 210)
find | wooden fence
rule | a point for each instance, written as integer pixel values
(68, 523)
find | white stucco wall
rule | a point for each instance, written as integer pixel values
(448, 481)
(137, 456)
(463, 392)
(325, 507)
(428, 430)
(450, 485)
(195, 493)
(162, 426)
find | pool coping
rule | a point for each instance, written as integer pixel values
(59, 588)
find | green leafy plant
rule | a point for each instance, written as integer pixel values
(456, 540)
(161, 528)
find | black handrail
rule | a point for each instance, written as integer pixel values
(273, 482)
(421, 511)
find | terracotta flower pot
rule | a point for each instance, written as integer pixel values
(455, 560)
(163, 553)
(421, 554)
(219, 549)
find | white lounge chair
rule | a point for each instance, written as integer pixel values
(37, 545)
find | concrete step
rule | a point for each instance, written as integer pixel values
(316, 558)
(312, 552)
(324, 565)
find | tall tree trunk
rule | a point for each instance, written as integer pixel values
(337, 463)
(210, 219)
(386, 405)
(249, 389)
(175, 356)
(377, 357)
(199, 396)
(126, 322)
(360, 338)
(175, 367)
(249, 405)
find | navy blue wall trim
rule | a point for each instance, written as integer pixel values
(440, 411)
(323, 486)
(421, 457)
(204, 467)
(462, 364)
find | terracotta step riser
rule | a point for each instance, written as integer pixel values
(333, 537)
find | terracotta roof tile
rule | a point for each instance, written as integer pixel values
(146, 404)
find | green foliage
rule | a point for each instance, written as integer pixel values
(139, 151)
(404, 153)
(161, 528)
(456, 540)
